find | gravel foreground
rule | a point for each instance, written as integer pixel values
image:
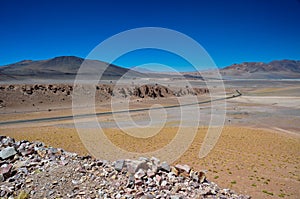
(33, 170)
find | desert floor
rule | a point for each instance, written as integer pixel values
(257, 162)
(258, 152)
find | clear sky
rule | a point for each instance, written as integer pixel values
(232, 31)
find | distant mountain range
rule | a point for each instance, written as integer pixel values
(271, 70)
(66, 68)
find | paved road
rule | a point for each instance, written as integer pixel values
(69, 117)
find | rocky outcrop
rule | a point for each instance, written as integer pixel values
(33, 170)
(55, 95)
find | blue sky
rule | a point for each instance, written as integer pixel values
(232, 31)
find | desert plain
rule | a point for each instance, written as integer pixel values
(257, 153)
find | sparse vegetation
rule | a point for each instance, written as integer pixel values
(233, 182)
(266, 192)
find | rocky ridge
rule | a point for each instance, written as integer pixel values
(40, 96)
(34, 170)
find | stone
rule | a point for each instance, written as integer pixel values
(176, 197)
(119, 165)
(164, 166)
(2, 179)
(155, 161)
(139, 174)
(183, 168)
(158, 179)
(202, 176)
(5, 170)
(150, 173)
(7, 152)
(174, 171)
(164, 183)
(134, 165)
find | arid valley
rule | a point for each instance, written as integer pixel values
(258, 151)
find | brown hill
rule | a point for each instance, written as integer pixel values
(64, 67)
(274, 69)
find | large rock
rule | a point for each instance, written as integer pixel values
(7, 152)
(164, 166)
(119, 164)
(134, 165)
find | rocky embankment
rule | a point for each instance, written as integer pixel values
(33, 170)
(48, 96)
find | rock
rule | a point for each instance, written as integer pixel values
(139, 174)
(174, 171)
(2, 178)
(134, 165)
(158, 179)
(202, 176)
(7, 152)
(5, 170)
(119, 165)
(164, 166)
(164, 183)
(183, 168)
(176, 197)
(194, 175)
(155, 161)
(150, 173)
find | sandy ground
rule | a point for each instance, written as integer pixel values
(257, 162)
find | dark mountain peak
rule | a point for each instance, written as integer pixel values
(65, 60)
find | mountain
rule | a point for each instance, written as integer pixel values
(64, 67)
(272, 70)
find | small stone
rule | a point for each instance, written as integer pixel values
(174, 171)
(158, 179)
(150, 173)
(81, 193)
(119, 165)
(28, 180)
(183, 168)
(176, 197)
(2, 193)
(155, 161)
(147, 196)
(5, 170)
(2, 178)
(164, 183)
(202, 176)
(141, 173)
(176, 189)
(7, 152)
(41, 153)
(133, 166)
(165, 167)
(139, 182)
